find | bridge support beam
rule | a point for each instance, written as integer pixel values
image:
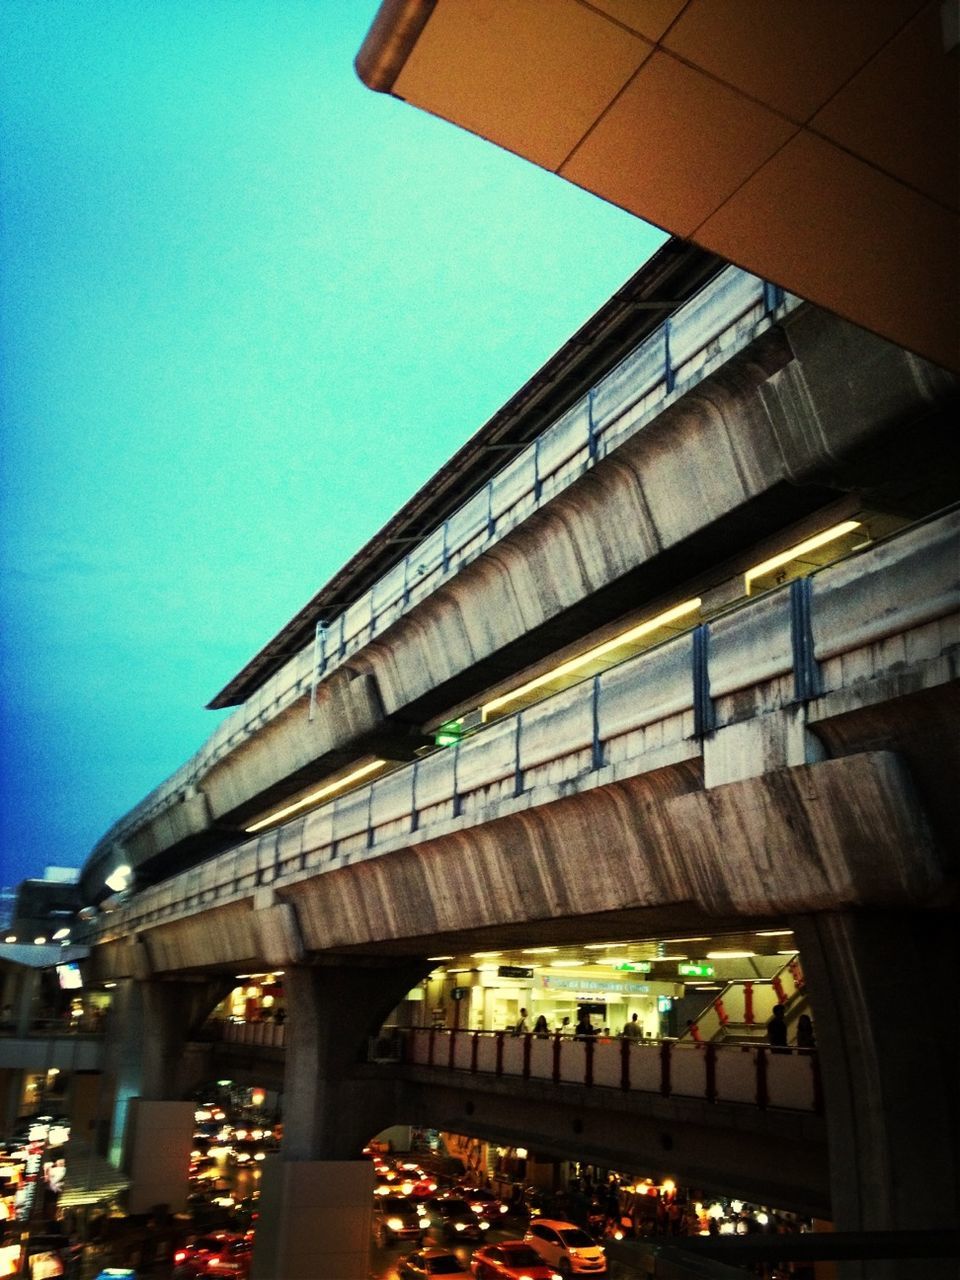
(332, 1107)
(888, 1040)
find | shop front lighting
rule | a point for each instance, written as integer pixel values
(567, 964)
(485, 955)
(40, 941)
(438, 958)
(321, 793)
(796, 552)
(592, 655)
(730, 955)
(671, 942)
(11, 937)
(539, 951)
(773, 933)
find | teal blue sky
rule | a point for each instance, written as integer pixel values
(248, 307)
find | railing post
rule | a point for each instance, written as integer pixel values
(526, 1055)
(710, 1065)
(763, 1093)
(456, 770)
(596, 760)
(721, 1012)
(453, 1048)
(748, 1003)
(556, 1057)
(806, 673)
(624, 1063)
(473, 1051)
(431, 1040)
(499, 1067)
(777, 985)
(665, 1051)
(589, 1045)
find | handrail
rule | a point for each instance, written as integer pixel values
(752, 1075)
(721, 318)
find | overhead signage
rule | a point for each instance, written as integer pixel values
(691, 970)
(634, 966)
(513, 971)
(597, 986)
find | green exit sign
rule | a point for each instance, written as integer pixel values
(695, 970)
(634, 966)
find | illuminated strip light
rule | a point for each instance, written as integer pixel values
(320, 794)
(794, 553)
(591, 655)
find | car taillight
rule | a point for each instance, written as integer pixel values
(180, 1256)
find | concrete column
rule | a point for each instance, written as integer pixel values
(149, 1026)
(886, 1022)
(317, 1197)
(26, 999)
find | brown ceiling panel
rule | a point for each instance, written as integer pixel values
(651, 18)
(902, 111)
(790, 54)
(529, 76)
(809, 220)
(675, 145)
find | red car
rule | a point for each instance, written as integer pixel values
(221, 1253)
(512, 1260)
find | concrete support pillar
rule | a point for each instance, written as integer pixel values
(26, 1001)
(887, 1035)
(149, 1026)
(333, 1104)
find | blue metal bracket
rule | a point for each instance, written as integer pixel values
(806, 670)
(703, 714)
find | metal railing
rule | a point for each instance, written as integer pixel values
(722, 318)
(578, 732)
(751, 1075)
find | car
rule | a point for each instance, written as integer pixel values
(566, 1247)
(421, 1264)
(232, 1262)
(192, 1258)
(483, 1203)
(454, 1219)
(511, 1260)
(398, 1218)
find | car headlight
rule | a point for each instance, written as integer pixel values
(395, 1224)
(483, 1225)
(459, 1226)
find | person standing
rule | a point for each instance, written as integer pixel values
(585, 1028)
(540, 1028)
(520, 1029)
(777, 1030)
(633, 1029)
(806, 1040)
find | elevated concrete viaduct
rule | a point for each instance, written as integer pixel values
(779, 747)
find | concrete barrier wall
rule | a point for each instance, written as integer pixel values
(559, 780)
